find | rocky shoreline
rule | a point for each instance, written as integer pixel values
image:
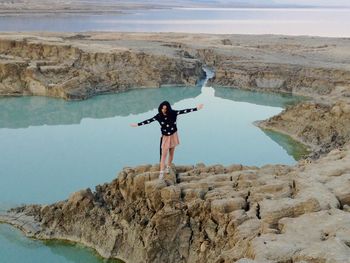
(273, 213)
(321, 127)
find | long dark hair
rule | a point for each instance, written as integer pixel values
(170, 111)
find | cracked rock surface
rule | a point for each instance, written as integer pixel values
(273, 213)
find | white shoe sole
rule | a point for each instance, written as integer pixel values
(161, 176)
(167, 169)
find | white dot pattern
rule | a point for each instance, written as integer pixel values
(168, 125)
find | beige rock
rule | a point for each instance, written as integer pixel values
(153, 193)
(269, 214)
(310, 237)
(77, 66)
(170, 194)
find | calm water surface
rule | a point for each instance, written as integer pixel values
(15, 248)
(51, 147)
(333, 22)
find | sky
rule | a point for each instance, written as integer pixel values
(247, 2)
(273, 2)
(312, 2)
(255, 2)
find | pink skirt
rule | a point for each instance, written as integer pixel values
(170, 141)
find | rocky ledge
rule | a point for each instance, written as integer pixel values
(273, 213)
(321, 126)
(80, 65)
(70, 66)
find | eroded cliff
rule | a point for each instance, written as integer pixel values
(71, 65)
(57, 68)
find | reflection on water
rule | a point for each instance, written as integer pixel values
(258, 98)
(15, 247)
(36, 111)
(68, 250)
(293, 148)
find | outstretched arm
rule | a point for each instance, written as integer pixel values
(147, 121)
(189, 110)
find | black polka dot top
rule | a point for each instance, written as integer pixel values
(167, 124)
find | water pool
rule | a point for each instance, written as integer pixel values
(51, 147)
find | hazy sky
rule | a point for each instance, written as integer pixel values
(314, 2)
(252, 2)
(289, 2)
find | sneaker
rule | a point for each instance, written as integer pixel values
(167, 169)
(161, 175)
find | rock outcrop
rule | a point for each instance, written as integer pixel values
(311, 66)
(278, 77)
(54, 67)
(321, 126)
(76, 66)
(273, 213)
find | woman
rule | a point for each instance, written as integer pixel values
(166, 117)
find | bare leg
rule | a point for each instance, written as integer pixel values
(162, 161)
(171, 156)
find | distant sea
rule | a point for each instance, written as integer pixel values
(331, 22)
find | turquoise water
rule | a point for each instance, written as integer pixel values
(51, 147)
(15, 247)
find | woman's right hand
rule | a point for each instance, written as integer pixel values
(133, 124)
(199, 106)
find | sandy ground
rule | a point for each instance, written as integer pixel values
(324, 52)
